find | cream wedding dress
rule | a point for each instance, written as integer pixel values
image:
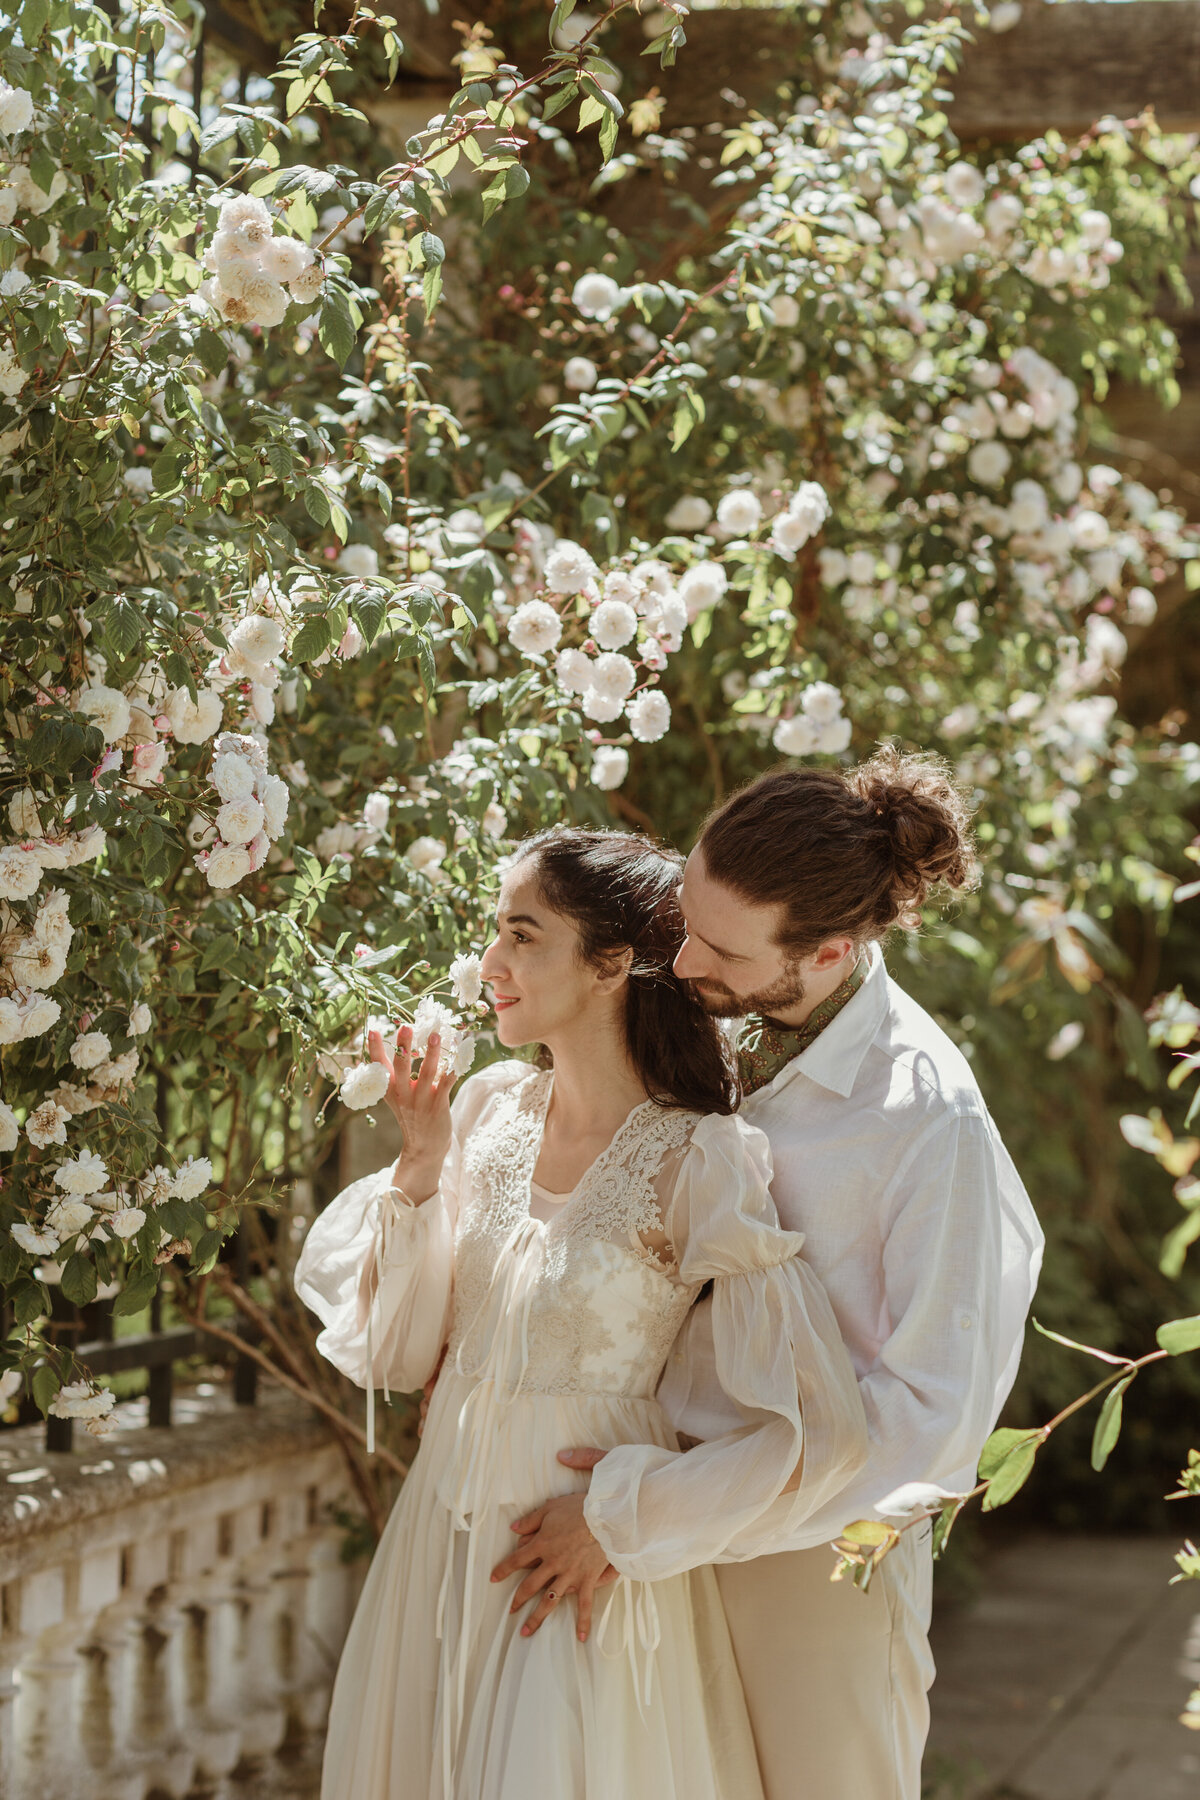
(558, 1333)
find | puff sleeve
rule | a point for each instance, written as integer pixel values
(779, 1357)
(374, 1268)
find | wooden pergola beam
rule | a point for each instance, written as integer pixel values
(1065, 66)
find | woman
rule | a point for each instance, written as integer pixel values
(552, 1229)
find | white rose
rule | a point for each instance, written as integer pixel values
(613, 624)
(16, 109)
(861, 567)
(84, 1174)
(47, 1124)
(23, 814)
(20, 872)
(610, 765)
(140, 1020)
(376, 812)
(193, 722)
(226, 865)
(10, 1131)
(988, 463)
(90, 1049)
(35, 1242)
(239, 820)
(68, 1217)
(1001, 216)
(106, 708)
(834, 737)
(574, 671)
(78, 1400)
(232, 776)
(285, 259)
(1067, 482)
(426, 855)
(534, 628)
(1140, 606)
(464, 1053)
(495, 820)
(602, 707)
(191, 1178)
(275, 799)
(784, 310)
(569, 568)
(1089, 529)
(126, 1221)
(613, 675)
(258, 639)
(1095, 228)
(739, 512)
(964, 184)
(467, 978)
(1029, 509)
(702, 587)
(596, 295)
(691, 512)
(649, 716)
(580, 373)
(797, 736)
(822, 702)
(359, 560)
(308, 284)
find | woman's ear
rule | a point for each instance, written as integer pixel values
(613, 967)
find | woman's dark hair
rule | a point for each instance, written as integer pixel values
(844, 852)
(619, 890)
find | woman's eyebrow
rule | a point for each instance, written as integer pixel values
(520, 919)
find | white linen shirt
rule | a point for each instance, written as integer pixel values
(920, 1229)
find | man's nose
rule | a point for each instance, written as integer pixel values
(689, 961)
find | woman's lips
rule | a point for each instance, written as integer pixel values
(501, 1002)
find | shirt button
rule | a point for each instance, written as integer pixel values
(677, 1356)
(964, 1323)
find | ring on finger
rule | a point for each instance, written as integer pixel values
(550, 1594)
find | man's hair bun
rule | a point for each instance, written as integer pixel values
(927, 824)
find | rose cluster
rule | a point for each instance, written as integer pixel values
(253, 273)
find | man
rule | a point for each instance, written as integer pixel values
(915, 1220)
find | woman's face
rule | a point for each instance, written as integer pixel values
(540, 984)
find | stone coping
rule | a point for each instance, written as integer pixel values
(44, 1491)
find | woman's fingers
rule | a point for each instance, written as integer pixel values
(378, 1050)
(583, 1623)
(555, 1595)
(427, 1079)
(539, 1577)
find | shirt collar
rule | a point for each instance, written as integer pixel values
(834, 1060)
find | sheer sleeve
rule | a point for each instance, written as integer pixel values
(779, 1357)
(376, 1270)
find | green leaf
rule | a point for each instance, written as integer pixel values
(609, 130)
(316, 503)
(336, 328)
(1006, 1462)
(79, 1279)
(591, 110)
(45, 1385)
(28, 1301)
(212, 350)
(1179, 1336)
(34, 17)
(432, 249)
(1012, 1473)
(313, 637)
(122, 626)
(431, 290)
(564, 97)
(1108, 1425)
(137, 1293)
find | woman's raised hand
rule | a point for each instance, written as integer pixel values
(421, 1104)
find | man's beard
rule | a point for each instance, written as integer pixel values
(720, 1002)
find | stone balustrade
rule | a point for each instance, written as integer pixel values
(172, 1604)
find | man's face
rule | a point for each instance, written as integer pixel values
(730, 956)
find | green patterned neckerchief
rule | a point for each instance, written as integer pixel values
(764, 1046)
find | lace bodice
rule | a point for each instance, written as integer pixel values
(598, 1310)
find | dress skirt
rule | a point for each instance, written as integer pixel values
(438, 1697)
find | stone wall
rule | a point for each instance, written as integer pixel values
(172, 1603)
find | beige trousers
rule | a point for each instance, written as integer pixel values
(836, 1680)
